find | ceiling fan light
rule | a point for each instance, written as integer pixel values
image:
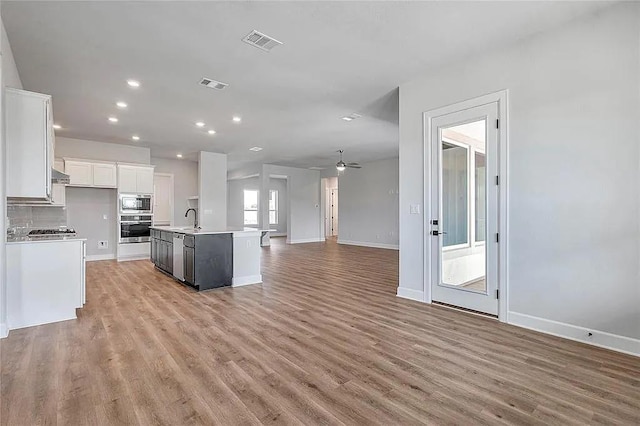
(341, 166)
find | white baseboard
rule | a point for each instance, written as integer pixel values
(408, 293)
(602, 339)
(94, 257)
(367, 244)
(137, 257)
(247, 280)
(4, 331)
(308, 240)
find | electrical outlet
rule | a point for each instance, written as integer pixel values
(103, 244)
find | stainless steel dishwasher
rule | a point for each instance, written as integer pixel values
(178, 264)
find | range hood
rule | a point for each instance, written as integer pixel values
(59, 177)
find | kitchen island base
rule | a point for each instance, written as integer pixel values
(210, 259)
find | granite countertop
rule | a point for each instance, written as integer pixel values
(26, 240)
(204, 231)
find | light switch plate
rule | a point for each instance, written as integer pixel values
(414, 209)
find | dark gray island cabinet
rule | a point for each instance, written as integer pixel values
(207, 259)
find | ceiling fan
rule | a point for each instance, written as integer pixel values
(341, 165)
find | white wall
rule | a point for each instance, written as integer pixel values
(94, 150)
(574, 161)
(86, 211)
(212, 190)
(9, 77)
(185, 183)
(303, 192)
(235, 202)
(368, 205)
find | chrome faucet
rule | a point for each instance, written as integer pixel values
(195, 217)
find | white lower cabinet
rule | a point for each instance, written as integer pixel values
(45, 281)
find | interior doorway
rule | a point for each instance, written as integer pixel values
(334, 212)
(463, 159)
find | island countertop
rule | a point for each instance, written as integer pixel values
(204, 231)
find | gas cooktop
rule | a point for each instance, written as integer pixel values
(51, 233)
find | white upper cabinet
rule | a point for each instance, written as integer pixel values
(90, 173)
(144, 180)
(135, 179)
(29, 144)
(104, 175)
(80, 173)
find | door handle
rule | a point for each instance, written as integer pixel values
(435, 233)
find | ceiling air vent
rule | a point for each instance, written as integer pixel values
(213, 84)
(261, 41)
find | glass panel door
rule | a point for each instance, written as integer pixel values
(464, 148)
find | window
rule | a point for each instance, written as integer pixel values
(481, 203)
(250, 207)
(455, 194)
(273, 207)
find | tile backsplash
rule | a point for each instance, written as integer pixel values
(21, 219)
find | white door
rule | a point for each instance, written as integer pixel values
(163, 199)
(464, 208)
(334, 212)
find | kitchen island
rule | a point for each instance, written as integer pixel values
(207, 258)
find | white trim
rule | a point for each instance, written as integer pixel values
(277, 234)
(502, 98)
(306, 240)
(601, 339)
(94, 257)
(411, 294)
(367, 244)
(247, 280)
(4, 331)
(133, 257)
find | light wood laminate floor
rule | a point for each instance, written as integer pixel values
(323, 341)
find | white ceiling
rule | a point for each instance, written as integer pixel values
(337, 58)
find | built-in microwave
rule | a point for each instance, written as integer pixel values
(135, 204)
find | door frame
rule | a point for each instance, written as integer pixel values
(173, 197)
(501, 97)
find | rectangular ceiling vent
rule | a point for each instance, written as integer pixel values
(213, 84)
(261, 41)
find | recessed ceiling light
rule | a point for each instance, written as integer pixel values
(113, 119)
(179, 155)
(133, 83)
(255, 148)
(57, 126)
(212, 132)
(200, 124)
(135, 137)
(237, 119)
(121, 104)
(351, 117)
